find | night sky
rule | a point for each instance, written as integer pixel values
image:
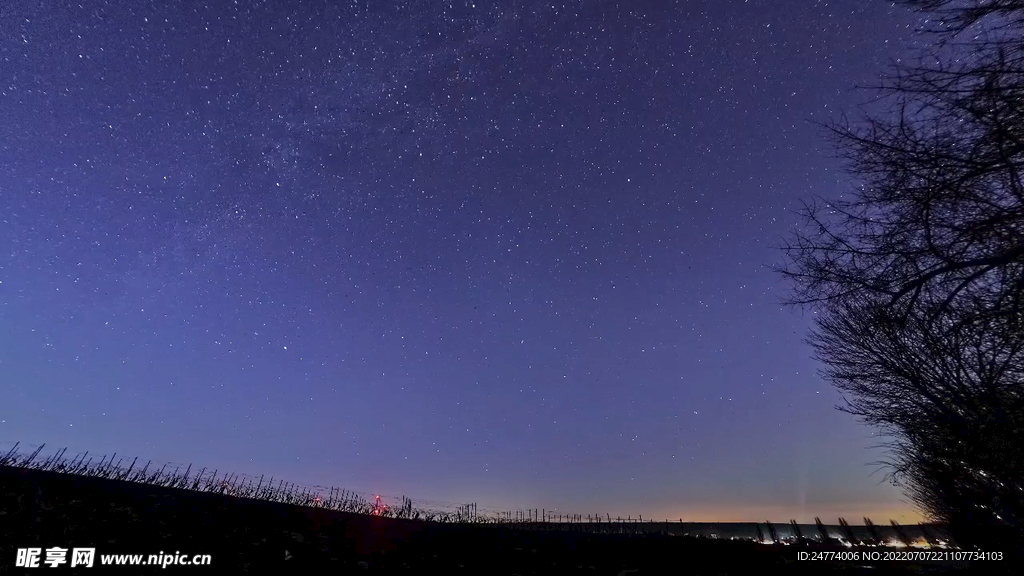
(512, 253)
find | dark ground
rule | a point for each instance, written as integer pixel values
(44, 509)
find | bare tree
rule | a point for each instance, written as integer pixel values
(939, 215)
(917, 277)
(949, 394)
(953, 17)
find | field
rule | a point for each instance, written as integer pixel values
(41, 508)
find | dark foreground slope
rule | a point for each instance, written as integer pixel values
(45, 509)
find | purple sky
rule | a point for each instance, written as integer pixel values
(512, 252)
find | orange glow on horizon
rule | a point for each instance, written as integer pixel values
(782, 514)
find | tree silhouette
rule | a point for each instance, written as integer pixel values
(956, 16)
(917, 277)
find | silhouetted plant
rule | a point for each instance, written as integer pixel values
(822, 532)
(901, 534)
(848, 532)
(929, 537)
(796, 530)
(231, 484)
(875, 538)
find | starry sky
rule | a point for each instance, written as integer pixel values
(514, 253)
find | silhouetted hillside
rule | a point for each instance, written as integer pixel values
(46, 509)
